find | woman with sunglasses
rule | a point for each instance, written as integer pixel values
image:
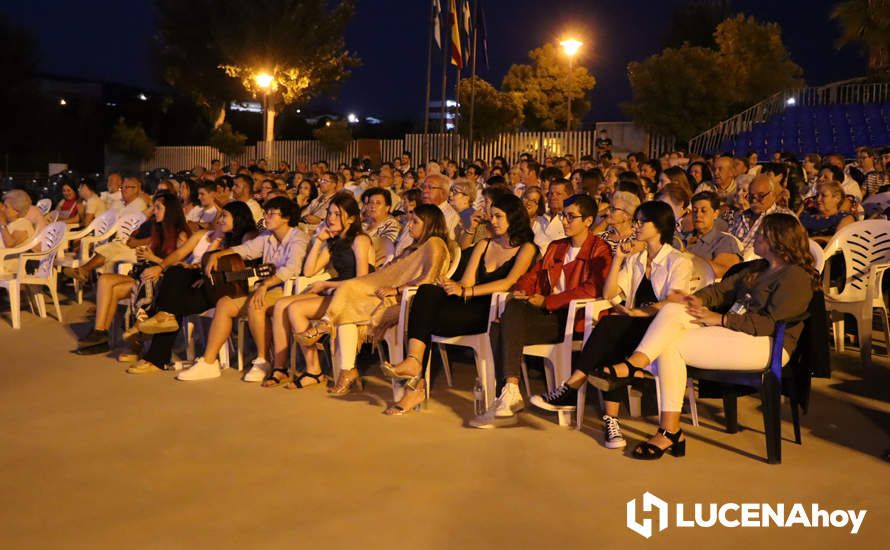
(643, 280)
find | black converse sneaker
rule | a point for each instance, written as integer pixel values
(563, 398)
(612, 437)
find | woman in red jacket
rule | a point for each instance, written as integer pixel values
(572, 268)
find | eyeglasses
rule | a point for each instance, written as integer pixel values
(531, 201)
(324, 180)
(615, 210)
(570, 217)
(270, 213)
(456, 191)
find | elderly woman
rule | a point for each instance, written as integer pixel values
(617, 228)
(15, 227)
(826, 218)
(461, 197)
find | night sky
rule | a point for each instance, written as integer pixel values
(111, 40)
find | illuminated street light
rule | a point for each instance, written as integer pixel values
(352, 118)
(791, 101)
(570, 47)
(63, 102)
(264, 80)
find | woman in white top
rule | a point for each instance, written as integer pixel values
(643, 281)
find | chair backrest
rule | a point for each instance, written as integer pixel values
(103, 222)
(702, 272)
(51, 238)
(44, 205)
(862, 244)
(818, 255)
(52, 217)
(128, 224)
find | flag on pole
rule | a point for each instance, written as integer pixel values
(456, 56)
(480, 28)
(437, 17)
(465, 30)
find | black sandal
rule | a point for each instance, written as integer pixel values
(297, 382)
(275, 381)
(606, 379)
(649, 451)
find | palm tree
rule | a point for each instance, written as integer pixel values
(866, 22)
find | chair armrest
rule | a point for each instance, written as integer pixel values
(17, 250)
(592, 308)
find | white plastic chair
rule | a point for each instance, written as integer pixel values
(702, 272)
(49, 241)
(865, 247)
(44, 205)
(877, 203)
(480, 344)
(123, 228)
(815, 250)
(558, 357)
(100, 225)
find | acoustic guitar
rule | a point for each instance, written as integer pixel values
(231, 275)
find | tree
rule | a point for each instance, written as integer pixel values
(695, 21)
(866, 22)
(299, 42)
(755, 59)
(546, 86)
(334, 137)
(131, 141)
(684, 91)
(494, 112)
(679, 92)
(226, 140)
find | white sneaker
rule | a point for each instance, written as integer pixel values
(201, 370)
(505, 406)
(258, 372)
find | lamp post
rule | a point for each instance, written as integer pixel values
(265, 82)
(570, 47)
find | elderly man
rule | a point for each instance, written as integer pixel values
(316, 210)
(720, 249)
(112, 198)
(762, 199)
(435, 190)
(724, 179)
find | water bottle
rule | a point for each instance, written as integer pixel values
(478, 398)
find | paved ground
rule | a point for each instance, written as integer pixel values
(93, 457)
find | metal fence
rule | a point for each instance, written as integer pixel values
(296, 152)
(845, 92)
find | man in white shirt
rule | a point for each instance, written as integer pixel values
(242, 190)
(560, 190)
(435, 188)
(202, 215)
(112, 197)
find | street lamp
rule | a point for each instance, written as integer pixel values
(570, 47)
(265, 82)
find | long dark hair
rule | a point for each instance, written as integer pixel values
(519, 229)
(788, 239)
(433, 223)
(164, 234)
(345, 201)
(242, 223)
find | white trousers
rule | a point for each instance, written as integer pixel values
(673, 341)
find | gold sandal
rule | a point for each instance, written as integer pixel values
(390, 370)
(416, 384)
(312, 335)
(346, 381)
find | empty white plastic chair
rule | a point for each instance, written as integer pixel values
(44, 205)
(865, 247)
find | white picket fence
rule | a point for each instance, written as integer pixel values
(510, 146)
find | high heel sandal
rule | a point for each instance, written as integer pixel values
(606, 379)
(346, 381)
(312, 335)
(649, 451)
(297, 382)
(390, 370)
(415, 384)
